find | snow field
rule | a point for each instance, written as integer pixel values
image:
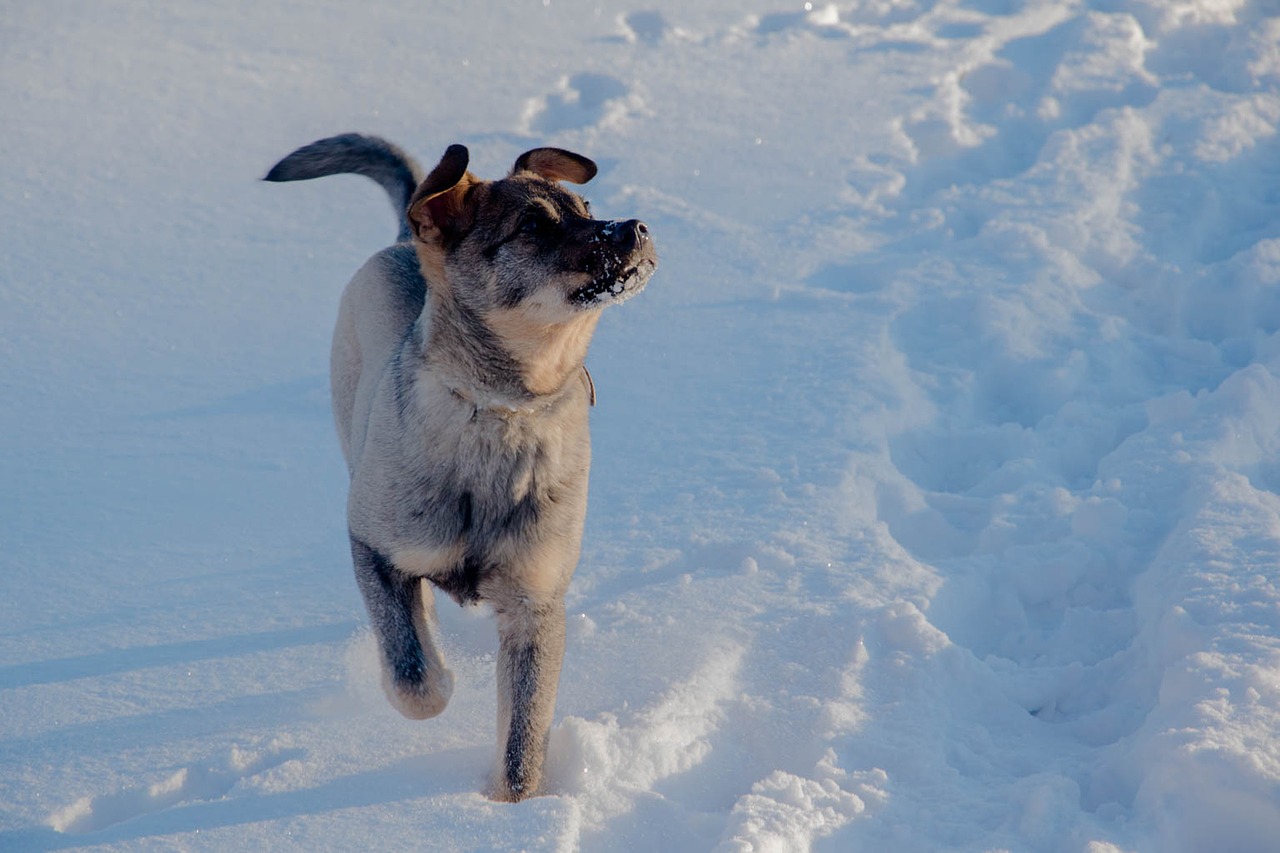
(935, 498)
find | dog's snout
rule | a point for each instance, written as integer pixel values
(632, 233)
(626, 235)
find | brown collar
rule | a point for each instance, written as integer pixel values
(591, 386)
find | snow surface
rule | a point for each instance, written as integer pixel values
(935, 502)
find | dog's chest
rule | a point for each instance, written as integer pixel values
(493, 480)
(486, 496)
(485, 484)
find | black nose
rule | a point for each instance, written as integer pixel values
(627, 235)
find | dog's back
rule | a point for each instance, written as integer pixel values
(385, 298)
(379, 308)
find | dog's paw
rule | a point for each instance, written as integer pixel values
(423, 699)
(501, 792)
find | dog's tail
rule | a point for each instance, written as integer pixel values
(393, 169)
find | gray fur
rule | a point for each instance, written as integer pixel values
(461, 403)
(393, 170)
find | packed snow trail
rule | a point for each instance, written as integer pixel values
(935, 488)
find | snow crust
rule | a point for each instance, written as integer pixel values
(936, 499)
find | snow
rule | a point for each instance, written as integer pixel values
(936, 499)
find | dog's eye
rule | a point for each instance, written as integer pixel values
(532, 223)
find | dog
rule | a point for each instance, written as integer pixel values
(461, 401)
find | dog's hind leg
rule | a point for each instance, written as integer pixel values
(531, 652)
(402, 611)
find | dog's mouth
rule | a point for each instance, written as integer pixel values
(616, 288)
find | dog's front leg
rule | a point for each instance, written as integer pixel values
(401, 610)
(531, 639)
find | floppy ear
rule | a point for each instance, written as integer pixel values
(556, 164)
(437, 206)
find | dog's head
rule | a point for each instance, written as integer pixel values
(521, 267)
(524, 243)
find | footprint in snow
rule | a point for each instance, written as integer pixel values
(193, 783)
(645, 27)
(992, 115)
(817, 17)
(582, 101)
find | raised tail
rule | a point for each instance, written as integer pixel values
(393, 169)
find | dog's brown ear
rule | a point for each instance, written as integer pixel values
(556, 164)
(437, 207)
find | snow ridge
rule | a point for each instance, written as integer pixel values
(935, 498)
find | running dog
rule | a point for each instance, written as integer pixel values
(461, 402)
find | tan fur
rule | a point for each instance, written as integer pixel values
(550, 354)
(426, 561)
(431, 257)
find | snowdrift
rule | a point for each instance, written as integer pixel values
(935, 503)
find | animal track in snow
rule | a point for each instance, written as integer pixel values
(646, 27)
(993, 113)
(581, 101)
(193, 783)
(831, 20)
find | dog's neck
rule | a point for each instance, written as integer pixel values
(503, 364)
(481, 401)
(549, 355)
